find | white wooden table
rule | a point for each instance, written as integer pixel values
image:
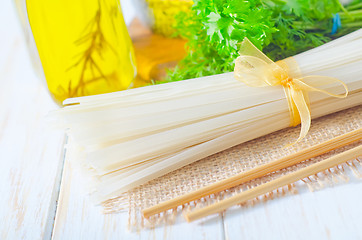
(41, 195)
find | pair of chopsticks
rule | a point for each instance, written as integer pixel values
(262, 170)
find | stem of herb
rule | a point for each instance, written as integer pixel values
(354, 6)
(352, 14)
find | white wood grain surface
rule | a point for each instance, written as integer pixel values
(30, 154)
(330, 213)
(32, 174)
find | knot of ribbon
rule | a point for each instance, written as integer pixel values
(255, 69)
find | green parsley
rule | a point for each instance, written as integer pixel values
(280, 28)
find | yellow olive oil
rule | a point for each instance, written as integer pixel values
(83, 45)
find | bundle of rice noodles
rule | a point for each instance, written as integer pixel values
(130, 137)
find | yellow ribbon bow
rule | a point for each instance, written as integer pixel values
(255, 69)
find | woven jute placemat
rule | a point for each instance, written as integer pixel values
(233, 161)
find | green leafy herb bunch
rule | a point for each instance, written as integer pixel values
(280, 28)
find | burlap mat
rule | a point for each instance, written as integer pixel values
(235, 160)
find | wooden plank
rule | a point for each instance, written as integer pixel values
(78, 218)
(29, 152)
(329, 213)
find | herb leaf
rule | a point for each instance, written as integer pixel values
(280, 28)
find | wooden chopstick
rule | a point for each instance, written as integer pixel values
(275, 184)
(257, 172)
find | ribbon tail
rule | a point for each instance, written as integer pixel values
(303, 110)
(310, 83)
(293, 111)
